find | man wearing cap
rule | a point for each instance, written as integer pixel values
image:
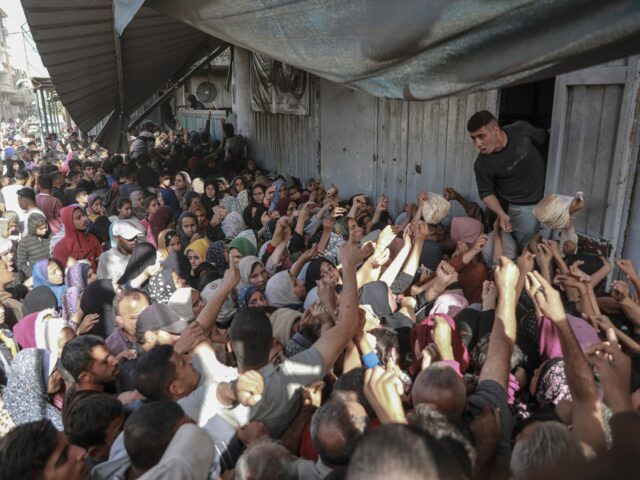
(10, 192)
(114, 261)
(159, 324)
(145, 141)
(27, 204)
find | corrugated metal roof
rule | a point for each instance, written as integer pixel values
(76, 41)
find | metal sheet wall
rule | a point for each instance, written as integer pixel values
(289, 143)
(372, 145)
(377, 145)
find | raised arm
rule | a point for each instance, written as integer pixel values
(503, 333)
(393, 269)
(586, 417)
(335, 339)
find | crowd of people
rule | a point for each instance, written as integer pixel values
(179, 312)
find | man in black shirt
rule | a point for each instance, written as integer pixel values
(88, 172)
(510, 172)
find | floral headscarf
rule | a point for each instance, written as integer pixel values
(232, 225)
(552, 383)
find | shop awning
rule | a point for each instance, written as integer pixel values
(98, 73)
(420, 49)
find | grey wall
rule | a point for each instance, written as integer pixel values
(372, 145)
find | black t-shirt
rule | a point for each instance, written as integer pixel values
(88, 185)
(491, 394)
(516, 173)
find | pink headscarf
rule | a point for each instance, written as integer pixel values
(466, 229)
(549, 340)
(450, 303)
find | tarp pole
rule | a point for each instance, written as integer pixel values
(43, 102)
(39, 109)
(177, 84)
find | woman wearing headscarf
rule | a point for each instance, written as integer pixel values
(242, 193)
(175, 273)
(187, 228)
(232, 225)
(218, 257)
(160, 220)
(76, 243)
(182, 185)
(38, 299)
(143, 256)
(471, 272)
(196, 253)
(252, 214)
(251, 296)
(98, 299)
(210, 197)
(77, 278)
(252, 272)
(549, 383)
(48, 273)
(168, 242)
(94, 207)
(285, 290)
(34, 388)
(137, 204)
(170, 200)
(100, 229)
(279, 191)
(205, 229)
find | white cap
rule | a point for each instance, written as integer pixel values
(125, 229)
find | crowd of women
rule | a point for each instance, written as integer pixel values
(467, 357)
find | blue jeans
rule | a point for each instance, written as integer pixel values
(525, 224)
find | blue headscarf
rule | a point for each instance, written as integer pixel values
(41, 278)
(170, 200)
(245, 294)
(276, 195)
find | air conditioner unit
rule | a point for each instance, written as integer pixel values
(206, 92)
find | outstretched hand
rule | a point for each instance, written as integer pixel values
(383, 389)
(545, 297)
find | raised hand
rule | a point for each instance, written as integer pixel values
(489, 295)
(311, 394)
(378, 259)
(480, 243)
(446, 274)
(506, 275)
(620, 290)
(421, 231)
(231, 276)
(88, 322)
(487, 430)
(309, 254)
(383, 389)
(544, 255)
(626, 266)
(450, 193)
(614, 370)
(526, 261)
(190, 338)
(367, 250)
(546, 298)
(385, 238)
(248, 388)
